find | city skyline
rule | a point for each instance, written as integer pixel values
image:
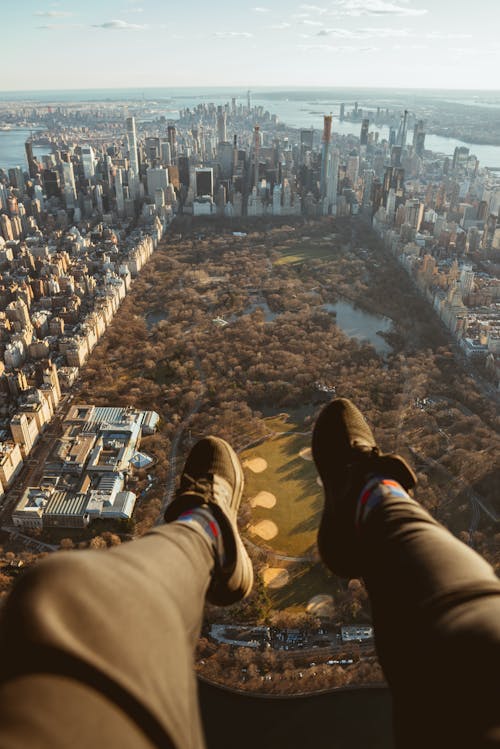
(143, 43)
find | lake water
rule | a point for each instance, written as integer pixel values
(12, 151)
(364, 326)
(269, 315)
(355, 323)
(153, 318)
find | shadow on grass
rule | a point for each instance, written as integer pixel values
(306, 581)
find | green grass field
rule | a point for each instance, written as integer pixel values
(309, 249)
(306, 581)
(293, 481)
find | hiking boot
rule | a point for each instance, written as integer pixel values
(346, 456)
(213, 479)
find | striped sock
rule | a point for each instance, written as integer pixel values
(205, 521)
(372, 494)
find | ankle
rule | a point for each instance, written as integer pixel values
(376, 490)
(202, 520)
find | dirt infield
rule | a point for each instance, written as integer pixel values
(321, 605)
(263, 499)
(275, 577)
(306, 453)
(265, 529)
(257, 465)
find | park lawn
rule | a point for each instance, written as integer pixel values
(293, 481)
(306, 581)
(304, 250)
(292, 421)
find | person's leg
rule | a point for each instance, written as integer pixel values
(123, 624)
(436, 603)
(96, 648)
(436, 612)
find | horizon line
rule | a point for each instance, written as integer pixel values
(247, 86)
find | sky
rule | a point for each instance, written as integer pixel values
(71, 44)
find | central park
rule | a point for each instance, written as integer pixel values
(246, 334)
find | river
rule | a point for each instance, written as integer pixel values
(299, 110)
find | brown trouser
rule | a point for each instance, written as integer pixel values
(97, 647)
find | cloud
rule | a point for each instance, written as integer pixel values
(366, 33)
(133, 10)
(232, 34)
(307, 22)
(344, 48)
(313, 9)
(52, 13)
(357, 8)
(60, 26)
(117, 25)
(446, 35)
(262, 10)
(283, 25)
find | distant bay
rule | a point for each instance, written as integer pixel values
(298, 109)
(12, 150)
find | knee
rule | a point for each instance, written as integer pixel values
(53, 580)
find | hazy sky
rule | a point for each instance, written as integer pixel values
(139, 43)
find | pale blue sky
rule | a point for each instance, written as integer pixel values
(139, 43)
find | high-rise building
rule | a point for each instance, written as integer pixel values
(152, 147)
(352, 169)
(332, 179)
(172, 139)
(460, 157)
(368, 179)
(221, 125)
(414, 213)
(403, 129)
(307, 139)
(204, 182)
(419, 138)
(120, 200)
(132, 145)
(32, 163)
(327, 135)
(256, 154)
(69, 187)
(225, 157)
(166, 153)
(16, 177)
(157, 179)
(88, 161)
(363, 140)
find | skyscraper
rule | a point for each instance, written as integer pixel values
(403, 128)
(256, 154)
(69, 186)
(327, 135)
(32, 164)
(221, 125)
(132, 145)
(120, 202)
(204, 182)
(172, 139)
(332, 179)
(363, 140)
(419, 138)
(88, 162)
(157, 179)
